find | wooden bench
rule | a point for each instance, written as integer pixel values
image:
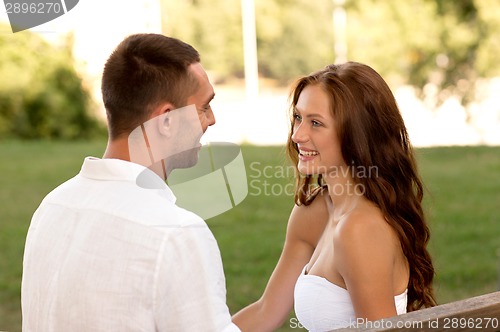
(480, 313)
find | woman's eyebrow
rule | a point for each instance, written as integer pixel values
(310, 115)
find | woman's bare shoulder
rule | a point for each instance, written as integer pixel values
(364, 229)
(364, 221)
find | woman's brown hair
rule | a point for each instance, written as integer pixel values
(372, 134)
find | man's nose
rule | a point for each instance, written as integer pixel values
(211, 117)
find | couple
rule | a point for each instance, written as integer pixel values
(104, 253)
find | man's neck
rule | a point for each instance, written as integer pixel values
(117, 149)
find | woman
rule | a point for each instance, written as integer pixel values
(356, 240)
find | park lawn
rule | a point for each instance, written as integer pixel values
(462, 202)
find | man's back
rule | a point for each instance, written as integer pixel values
(104, 254)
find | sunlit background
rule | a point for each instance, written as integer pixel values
(439, 57)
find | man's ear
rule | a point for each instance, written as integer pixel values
(163, 116)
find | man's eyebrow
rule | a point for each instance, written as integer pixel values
(209, 99)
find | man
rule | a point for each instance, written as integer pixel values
(109, 250)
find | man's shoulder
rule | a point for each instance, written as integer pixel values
(163, 213)
(62, 188)
(123, 200)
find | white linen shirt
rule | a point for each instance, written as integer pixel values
(104, 254)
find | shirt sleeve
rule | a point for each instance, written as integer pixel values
(190, 290)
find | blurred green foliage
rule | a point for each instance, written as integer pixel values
(213, 27)
(447, 43)
(450, 44)
(41, 94)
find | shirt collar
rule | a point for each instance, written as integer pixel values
(122, 170)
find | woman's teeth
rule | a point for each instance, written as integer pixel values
(309, 153)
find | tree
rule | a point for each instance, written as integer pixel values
(213, 27)
(449, 44)
(294, 37)
(284, 30)
(41, 95)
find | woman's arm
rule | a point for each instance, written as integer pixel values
(305, 226)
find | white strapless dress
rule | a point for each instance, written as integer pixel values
(323, 306)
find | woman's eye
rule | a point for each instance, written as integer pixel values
(297, 117)
(315, 123)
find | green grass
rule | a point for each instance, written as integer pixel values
(463, 207)
(463, 202)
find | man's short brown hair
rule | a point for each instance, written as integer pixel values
(142, 72)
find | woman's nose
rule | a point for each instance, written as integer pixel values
(299, 134)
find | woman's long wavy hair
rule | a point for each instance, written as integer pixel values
(372, 134)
